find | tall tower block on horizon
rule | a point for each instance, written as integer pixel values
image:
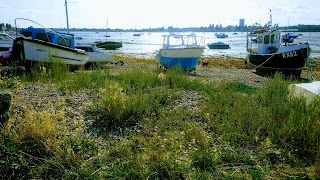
(241, 23)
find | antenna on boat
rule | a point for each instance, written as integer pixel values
(66, 4)
(270, 25)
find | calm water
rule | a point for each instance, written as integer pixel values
(147, 44)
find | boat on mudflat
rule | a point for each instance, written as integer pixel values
(183, 51)
(95, 55)
(269, 55)
(6, 42)
(40, 45)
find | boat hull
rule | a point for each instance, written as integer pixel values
(214, 46)
(109, 45)
(186, 58)
(5, 57)
(34, 50)
(288, 63)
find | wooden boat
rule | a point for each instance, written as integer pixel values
(183, 51)
(269, 55)
(218, 45)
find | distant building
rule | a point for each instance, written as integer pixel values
(241, 23)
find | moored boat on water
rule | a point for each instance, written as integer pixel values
(112, 45)
(268, 55)
(221, 35)
(218, 45)
(183, 51)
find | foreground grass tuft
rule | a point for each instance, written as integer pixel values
(140, 126)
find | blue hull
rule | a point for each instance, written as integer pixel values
(184, 63)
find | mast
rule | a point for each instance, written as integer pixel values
(107, 30)
(67, 15)
(270, 20)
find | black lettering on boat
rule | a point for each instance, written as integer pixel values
(41, 50)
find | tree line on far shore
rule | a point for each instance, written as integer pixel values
(210, 28)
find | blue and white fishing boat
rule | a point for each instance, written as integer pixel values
(47, 46)
(40, 45)
(182, 51)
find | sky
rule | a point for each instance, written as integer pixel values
(138, 14)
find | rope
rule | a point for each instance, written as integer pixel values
(308, 63)
(273, 54)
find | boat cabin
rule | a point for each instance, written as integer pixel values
(178, 41)
(61, 39)
(6, 42)
(268, 41)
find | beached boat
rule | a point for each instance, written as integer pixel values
(96, 56)
(182, 51)
(6, 42)
(221, 35)
(40, 45)
(46, 46)
(218, 45)
(268, 55)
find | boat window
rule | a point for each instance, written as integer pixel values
(274, 38)
(5, 38)
(43, 37)
(175, 40)
(266, 39)
(26, 34)
(64, 41)
(260, 39)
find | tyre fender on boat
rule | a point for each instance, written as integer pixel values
(17, 51)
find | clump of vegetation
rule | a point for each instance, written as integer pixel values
(141, 125)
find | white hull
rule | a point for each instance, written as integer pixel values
(180, 53)
(100, 57)
(43, 53)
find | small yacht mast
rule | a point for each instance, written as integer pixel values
(107, 30)
(270, 25)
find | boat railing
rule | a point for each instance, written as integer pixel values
(183, 41)
(45, 29)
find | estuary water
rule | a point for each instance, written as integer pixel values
(147, 44)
